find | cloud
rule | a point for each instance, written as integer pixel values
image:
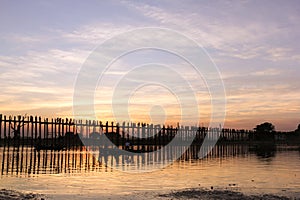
(94, 33)
(16, 38)
(282, 54)
(267, 72)
(39, 79)
(217, 26)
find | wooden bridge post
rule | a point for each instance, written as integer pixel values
(40, 127)
(118, 135)
(36, 128)
(23, 131)
(123, 135)
(31, 130)
(46, 132)
(1, 127)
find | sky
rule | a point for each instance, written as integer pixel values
(254, 44)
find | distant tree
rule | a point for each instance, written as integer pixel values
(265, 128)
(265, 132)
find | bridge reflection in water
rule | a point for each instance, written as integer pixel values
(26, 161)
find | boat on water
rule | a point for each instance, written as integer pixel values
(40, 147)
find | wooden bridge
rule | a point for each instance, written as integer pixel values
(33, 131)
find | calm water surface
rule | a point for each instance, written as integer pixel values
(77, 173)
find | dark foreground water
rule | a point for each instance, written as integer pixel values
(83, 174)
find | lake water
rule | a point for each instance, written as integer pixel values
(77, 174)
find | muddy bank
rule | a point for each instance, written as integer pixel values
(195, 193)
(206, 194)
(15, 195)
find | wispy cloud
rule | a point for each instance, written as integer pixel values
(241, 37)
(39, 79)
(267, 72)
(94, 33)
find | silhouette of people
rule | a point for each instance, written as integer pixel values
(127, 145)
(16, 131)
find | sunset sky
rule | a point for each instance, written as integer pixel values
(255, 45)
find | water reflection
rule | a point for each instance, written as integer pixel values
(22, 161)
(264, 152)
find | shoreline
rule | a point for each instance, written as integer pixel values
(208, 194)
(6, 194)
(189, 193)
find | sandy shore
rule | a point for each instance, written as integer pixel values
(195, 193)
